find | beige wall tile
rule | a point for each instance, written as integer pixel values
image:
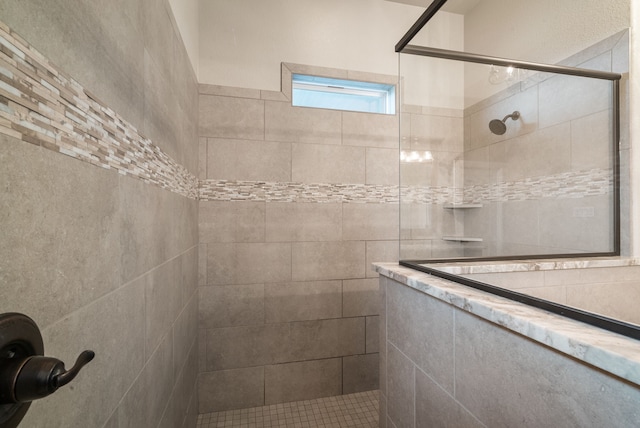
(437, 407)
(382, 343)
(69, 241)
(360, 297)
(146, 210)
(228, 91)
(382, 166)
(221, 264)
(544, 152)
(202, 158)
(185, 337)
(189, 274)
(303, 380)
(327, 260)
(563, 98)
(373, 334)
(228, 117)
(118, 258)
(202, 264)
(233, 305)
(315, 163)
(370, 221)
(431, 349)
(614, 300)
(437, 172)
(202, 350)
(400, 388)
(557, 294)
(266, 263)
(326, 338)
(222, 158)
(247, 346)
(231, 389)
(591, 275)
(371, 130)
(425, 221)
(248, 160)
(438, 133)
(416, 249)
(360, 373)
(176, 412)
(302, 125)
(293, 221)
(231, 221)
(511, 280)
(520, 222)
(119, 319)
(252, 263)
(163, 302)
(382, 412)
(591, 142)
(563, 229)
(147, 398)
(298, 301)
(532, 382)
(380, 251)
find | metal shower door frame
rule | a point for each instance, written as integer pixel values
(403, 47)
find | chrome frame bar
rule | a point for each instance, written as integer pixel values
(629, 330)
(417, 26)
(504, 62)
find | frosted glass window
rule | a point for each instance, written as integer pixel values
(338, 94)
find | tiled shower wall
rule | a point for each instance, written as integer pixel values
(296, 205)
(547, 180)
(540, 186)
(427, 187)
(98, 217)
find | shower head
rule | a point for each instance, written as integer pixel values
(498, 126)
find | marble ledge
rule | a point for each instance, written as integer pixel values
(468, 268)
(613, 353)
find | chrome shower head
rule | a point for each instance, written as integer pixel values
(499, 127)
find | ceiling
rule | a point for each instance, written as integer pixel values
(453, 6)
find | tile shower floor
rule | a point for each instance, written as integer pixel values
(353, 410)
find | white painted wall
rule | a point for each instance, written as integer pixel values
(242, 43)
(186, 13)
(545, 31)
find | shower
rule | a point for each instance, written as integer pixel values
(499, 127)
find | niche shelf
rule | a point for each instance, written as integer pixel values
(461, 239)
(461, 206)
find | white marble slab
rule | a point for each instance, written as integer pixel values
(608, 351)
(466, 268)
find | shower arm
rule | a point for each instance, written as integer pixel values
(514, 116)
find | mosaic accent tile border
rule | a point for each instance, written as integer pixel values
(261, 191)
(568, 185)
(578, 184)
(41, 105)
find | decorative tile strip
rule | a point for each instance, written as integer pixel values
(261, 191)
(578, 184)
(567, 185)
(429, 195)
(41, 105)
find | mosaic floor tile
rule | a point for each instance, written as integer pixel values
(358, 410)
